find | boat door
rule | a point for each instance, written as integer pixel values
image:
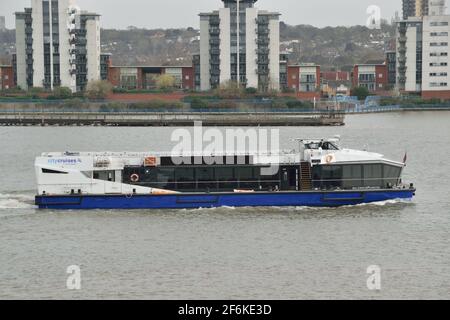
(289, 178)
(113, 182)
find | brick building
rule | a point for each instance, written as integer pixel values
(6, 77)
(146, 77)
(373, 76)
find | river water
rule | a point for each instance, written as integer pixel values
(231, 253)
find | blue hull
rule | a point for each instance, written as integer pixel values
(213, 200)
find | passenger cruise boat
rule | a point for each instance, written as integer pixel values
(319, 174)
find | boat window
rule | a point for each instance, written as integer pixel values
(373, 176)
(105, 175)
(225, 177)
(185, 178)
(312, 146)
(355, 176)
(327, 177)
(352, 176)
(205, 178)
(165, 179)
(53, 171)
(391, 175)
(329, 146)
(247, 178)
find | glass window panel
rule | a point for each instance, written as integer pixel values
(373, 175)
(247, 179)
(165, 179)
(391, 175)
(352, 176)
(205, 178)
(225, 177)
(185, 178)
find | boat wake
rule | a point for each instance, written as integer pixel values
(16, 201)
(374, 205)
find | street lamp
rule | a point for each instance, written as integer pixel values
(238, 43)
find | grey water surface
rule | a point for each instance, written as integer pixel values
(231, 253)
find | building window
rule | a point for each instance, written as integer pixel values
(438, 23)
(439, 34)
(438, 54)
(438, 74)
(438, 84)
(438, 44)
(438, 64)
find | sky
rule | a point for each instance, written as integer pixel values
(150, 14)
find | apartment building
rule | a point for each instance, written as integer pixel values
(57, 44)
(242, 47)
(373, 76)
(304, 77)
(422, 53)
(415, 8)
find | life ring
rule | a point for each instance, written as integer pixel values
(329, 158)
(134, 177)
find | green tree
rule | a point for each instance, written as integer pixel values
(99, 89)
(165, 82)
(62, 93)
(361, 92)
(229, 90)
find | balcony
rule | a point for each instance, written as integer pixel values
(263, 41)
(402, 39)
(214, 51)
(81, 32)
(214, 21)
(262, 31)
(214, 42)
(262, 71)
(214, 31)
(262, 20)
(263, 51)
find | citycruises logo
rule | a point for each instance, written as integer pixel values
(69, 161)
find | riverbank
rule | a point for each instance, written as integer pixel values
(168, 119)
